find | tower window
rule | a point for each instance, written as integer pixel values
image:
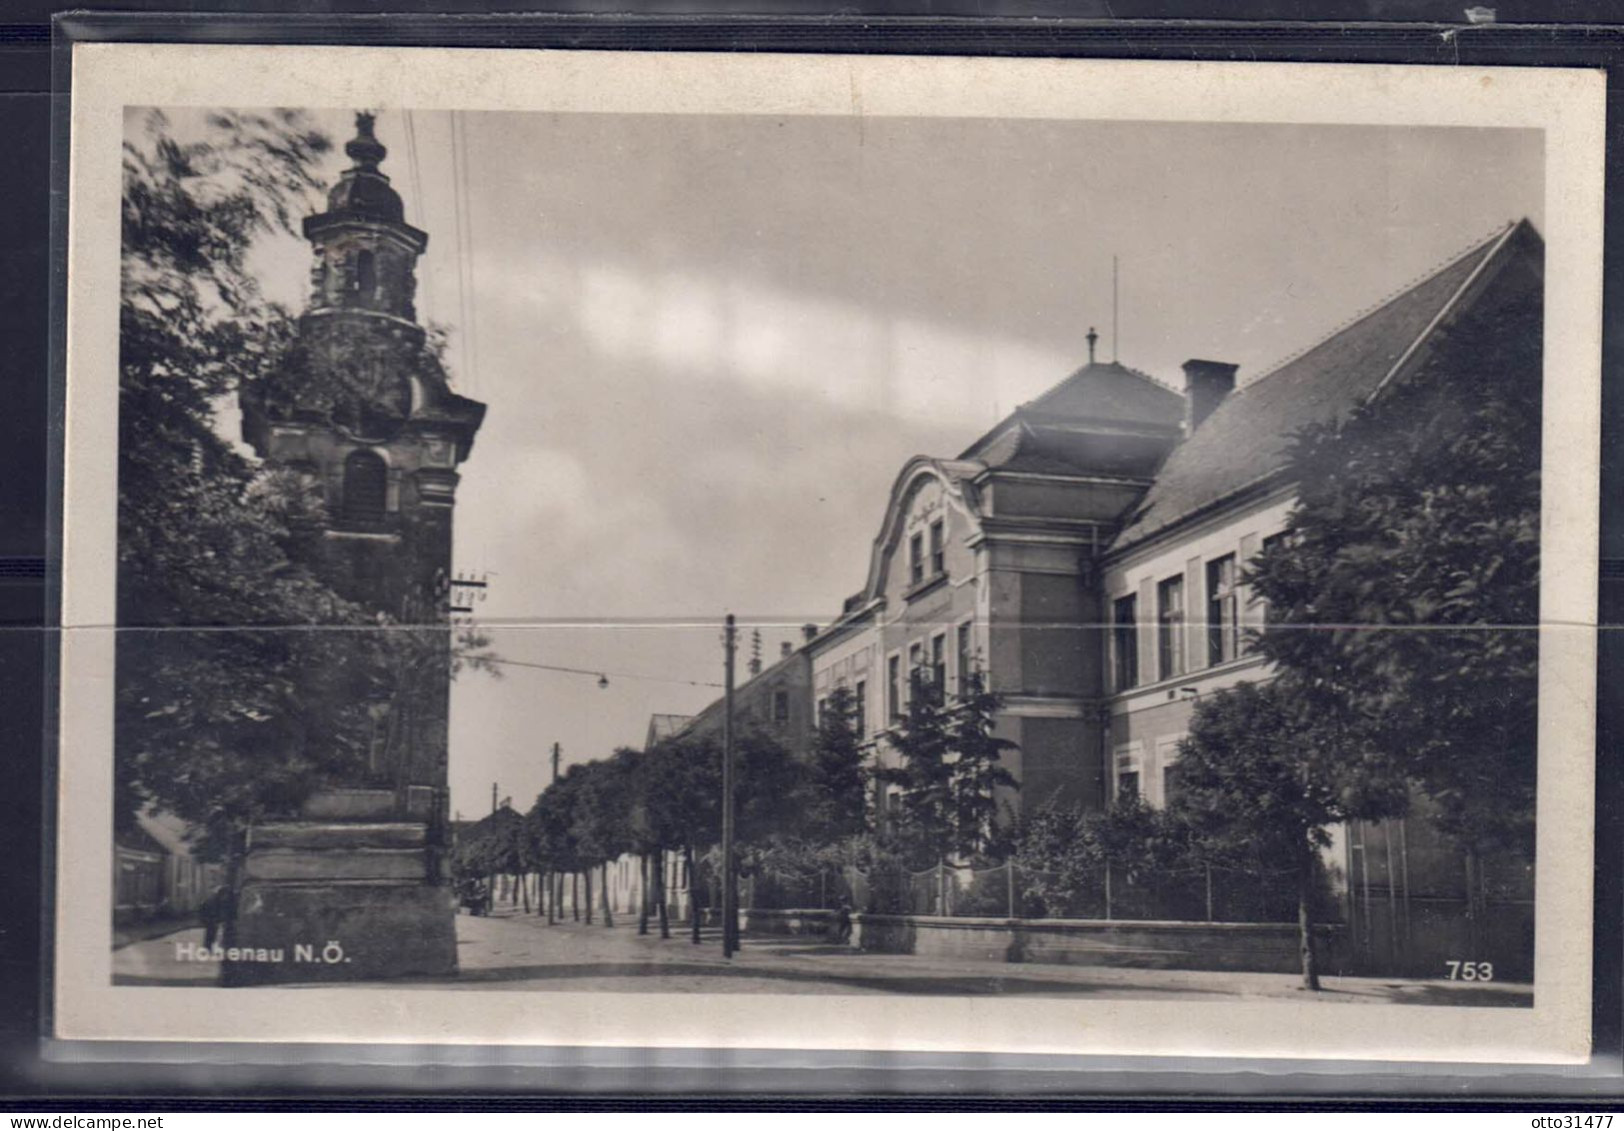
(366, 274)
(366, 487)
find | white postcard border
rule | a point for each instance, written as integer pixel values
(1566, 104)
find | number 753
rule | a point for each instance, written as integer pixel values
(1470, 971)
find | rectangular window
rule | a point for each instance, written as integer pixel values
(893, 687)
(823, 709)
(1261, 617)
(1161, 776)
(916, 666)
(1125, 642)
(938, 660)
(1170, 628)
(916, 559)
(780, 706)
(1223, 611)
(1127, 772)
(964, 657)
(938, 552)
(861, 719)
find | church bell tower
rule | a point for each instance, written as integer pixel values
(362, 409)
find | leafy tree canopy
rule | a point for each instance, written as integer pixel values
(950, 767)
(1404, 597)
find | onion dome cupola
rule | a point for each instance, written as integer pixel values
(366, 253)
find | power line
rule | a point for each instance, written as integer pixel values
(599, 672)
(414, 205)
(473, 260)
(415, 168)
(465, 238)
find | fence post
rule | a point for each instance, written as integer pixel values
(1209, 892)
(1108, 890)
(1009, 885)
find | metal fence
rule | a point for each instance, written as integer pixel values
(1202, 894)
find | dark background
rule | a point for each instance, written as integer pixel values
(1527, 33)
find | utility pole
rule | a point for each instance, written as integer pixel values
(555, 881)
(730, 892)
(493, 797)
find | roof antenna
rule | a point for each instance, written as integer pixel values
(1116, 350)
(1092, 338)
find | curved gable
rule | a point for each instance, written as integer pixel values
(924, 488)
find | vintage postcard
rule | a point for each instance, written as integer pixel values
(1018, 556)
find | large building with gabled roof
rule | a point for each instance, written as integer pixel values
(1087, 554)
(988, 562)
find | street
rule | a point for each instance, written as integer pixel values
(511, 951)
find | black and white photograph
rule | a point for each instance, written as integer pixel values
(820, 562)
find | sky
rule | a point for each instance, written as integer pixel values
(708, 344)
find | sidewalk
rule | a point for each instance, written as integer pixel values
(512, 951)
(151, 929)
(573, 956)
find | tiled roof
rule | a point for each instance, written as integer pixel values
(137, 838)
(1109, 391)
(1100, 393)
(664, 726)
(1246, 438)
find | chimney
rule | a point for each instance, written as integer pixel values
(785, 648)
(1206, 384)
(808, 631)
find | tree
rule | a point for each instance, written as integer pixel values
(836, 779)
(223, 725)
(497, 845)
(554, 827)
(770, 785)
(977, 769)
(681, 798)
(1257, 775)
(1404, 598)
(1130, 861)
(924, 827)
(606, 809)
(229, 707)
(951, 767)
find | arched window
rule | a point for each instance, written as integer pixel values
(366, 274)
(366, 487)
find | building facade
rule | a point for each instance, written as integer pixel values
(155, 874)
(1180, 611)
(1088, 555)
(988, 563)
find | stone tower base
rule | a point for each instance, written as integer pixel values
(345, 893)
(341, 932)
